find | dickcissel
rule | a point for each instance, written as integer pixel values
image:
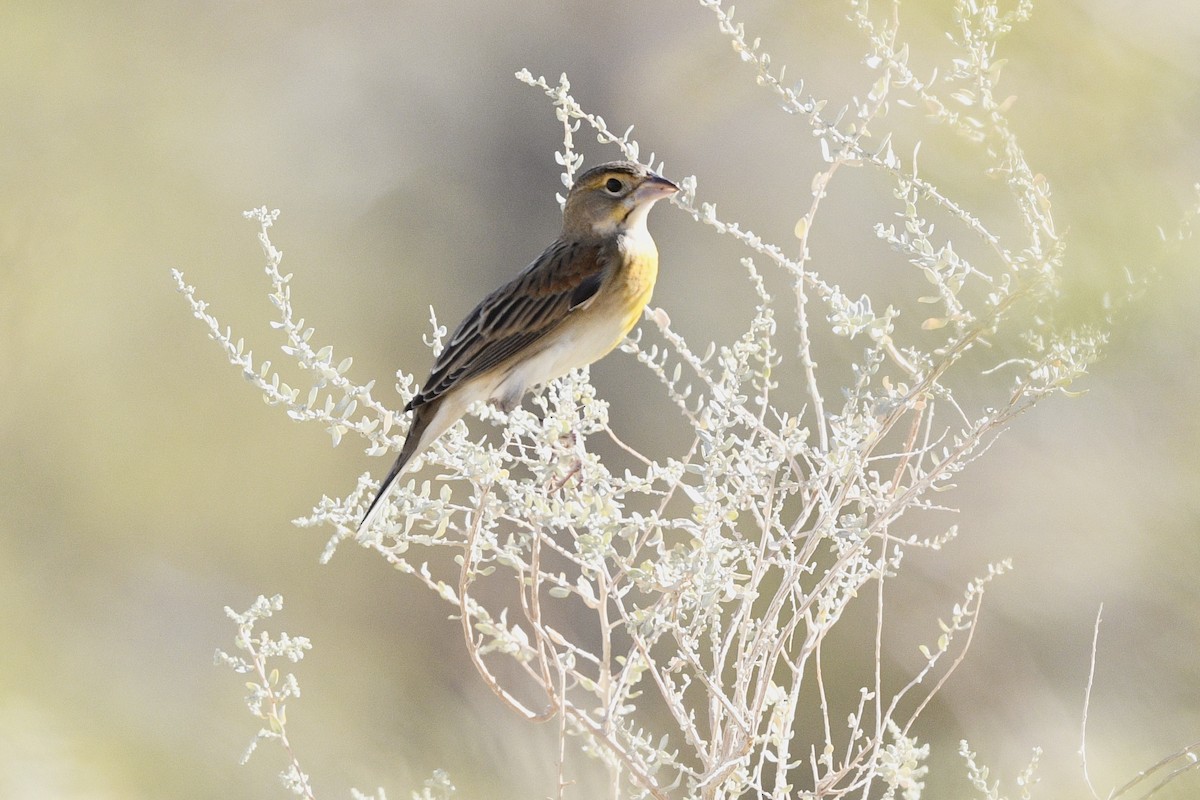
(570, 307)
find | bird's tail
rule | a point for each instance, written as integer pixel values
(412, 444)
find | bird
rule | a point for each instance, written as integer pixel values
(570, 307)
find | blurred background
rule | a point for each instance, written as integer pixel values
(146, 485)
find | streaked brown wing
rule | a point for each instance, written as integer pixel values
(516, 315)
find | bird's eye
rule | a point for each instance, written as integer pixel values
(613, 186)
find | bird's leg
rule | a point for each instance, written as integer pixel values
(576, 467)
(507, 401)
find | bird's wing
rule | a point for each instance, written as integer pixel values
(562, 280)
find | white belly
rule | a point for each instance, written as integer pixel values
(576, 347)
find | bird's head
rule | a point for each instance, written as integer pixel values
(613, 197)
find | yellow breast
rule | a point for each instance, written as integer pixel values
(634, 282)
(634, 287)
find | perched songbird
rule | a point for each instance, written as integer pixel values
(570, 307)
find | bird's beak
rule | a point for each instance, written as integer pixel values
(656, 187)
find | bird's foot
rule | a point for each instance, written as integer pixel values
(569, 441)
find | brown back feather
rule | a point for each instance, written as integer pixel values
(518, 314)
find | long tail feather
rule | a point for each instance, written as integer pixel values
(412, 443)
